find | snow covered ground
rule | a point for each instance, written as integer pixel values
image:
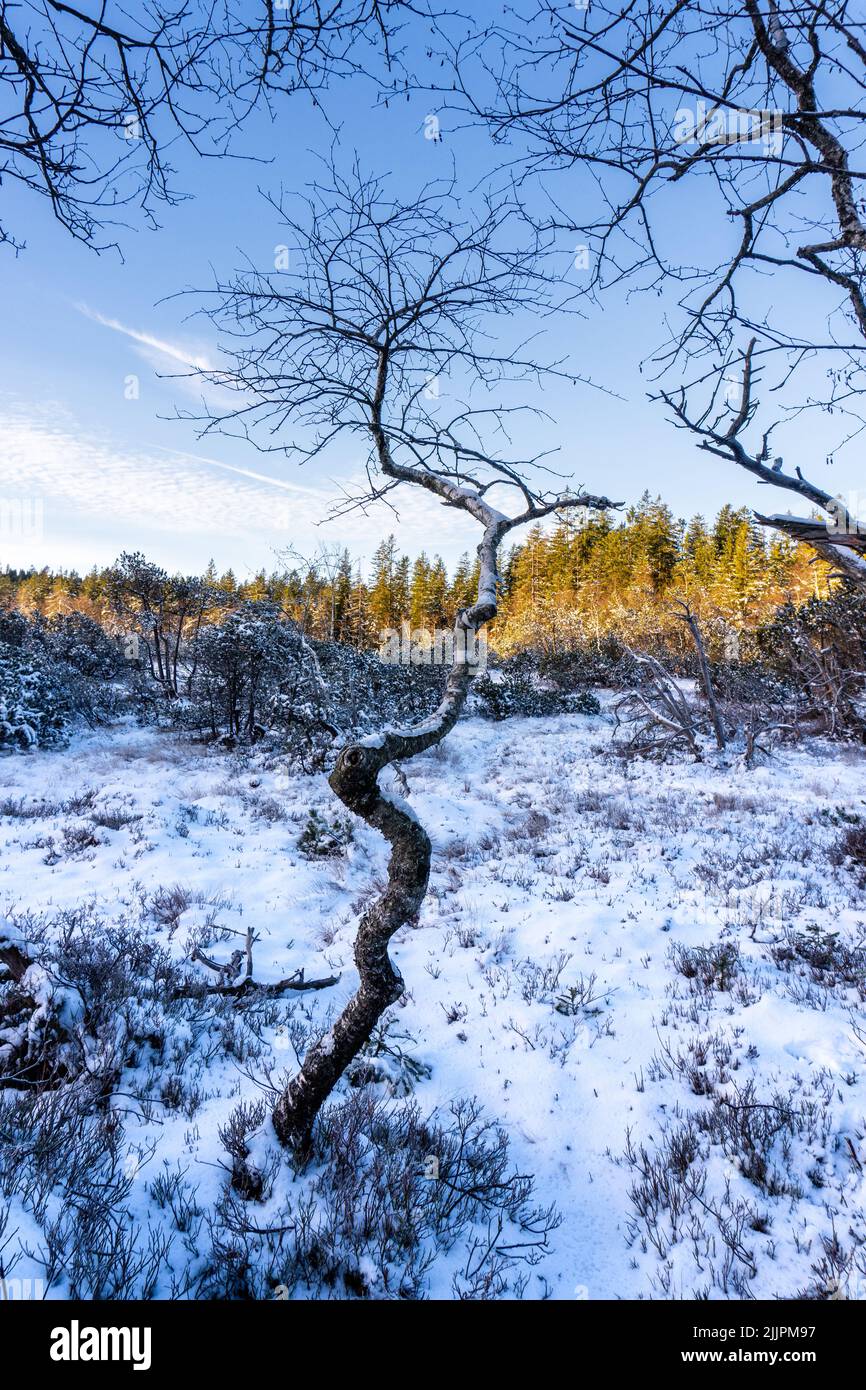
(630, 965)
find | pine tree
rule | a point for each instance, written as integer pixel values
(464, 586)
(342, 597)
(419, 595)
(400, 592)
(437, 592)
(382, 612)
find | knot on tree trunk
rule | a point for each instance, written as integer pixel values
(354, 778)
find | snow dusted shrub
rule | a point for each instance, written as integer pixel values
(14, 628)
(757, 1133)
(34, 707)
(749, 684)
(607, 663)
(40, 691)
(386, 1194)
(518, 690)
(769, 1143)
(671, 1206)
(37, 1016)
(82, 645)
(166, 906)
(83, 1001)
(387, 1061)
(63, 1155)
(839, 1272)
(708, 967)
(325, 839)
(257, 674)
(364, 692)
(820, 650)
(76, 989)
(53, 673)
(850, 851)
(825, 957)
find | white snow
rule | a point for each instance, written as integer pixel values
(554, 862)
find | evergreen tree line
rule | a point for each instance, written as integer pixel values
(563, 586)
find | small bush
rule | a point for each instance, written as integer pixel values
(255, 672)
(819, 649)
(607, 663)
(828, 959)
(364, 692)
(850, 852)
(387, 1061)
(709, 967)
(387, 1192)
(34, 707)
(53, 674)
(325, 839)
(517, 692)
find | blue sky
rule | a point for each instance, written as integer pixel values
(111, 470)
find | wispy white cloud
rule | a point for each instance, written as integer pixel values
(195, 503)
(175, 352)
(242, 472)
(157, 490)
(203, 380)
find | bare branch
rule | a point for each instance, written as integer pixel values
(757, 107)
(93, 101)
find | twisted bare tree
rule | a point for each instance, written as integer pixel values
(715, 151)
(386, 299)
(94, 96)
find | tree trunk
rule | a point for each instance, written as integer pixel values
(691, 623)
(354, 780)
(158, 650)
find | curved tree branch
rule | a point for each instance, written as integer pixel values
(94, 97)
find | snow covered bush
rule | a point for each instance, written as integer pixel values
(606, 663)
(64, 1160)
(518, 689)
(256, 674)
(76, 995)
(34, 706)
(54, 672)
(820, 650)
(322, 838)
(364, 692)
(14, 628)
(753, 684)
(81, 644)
(388, 1195)
(390, 1204)
(36, 1014)
(166, 614)
(850, 851)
